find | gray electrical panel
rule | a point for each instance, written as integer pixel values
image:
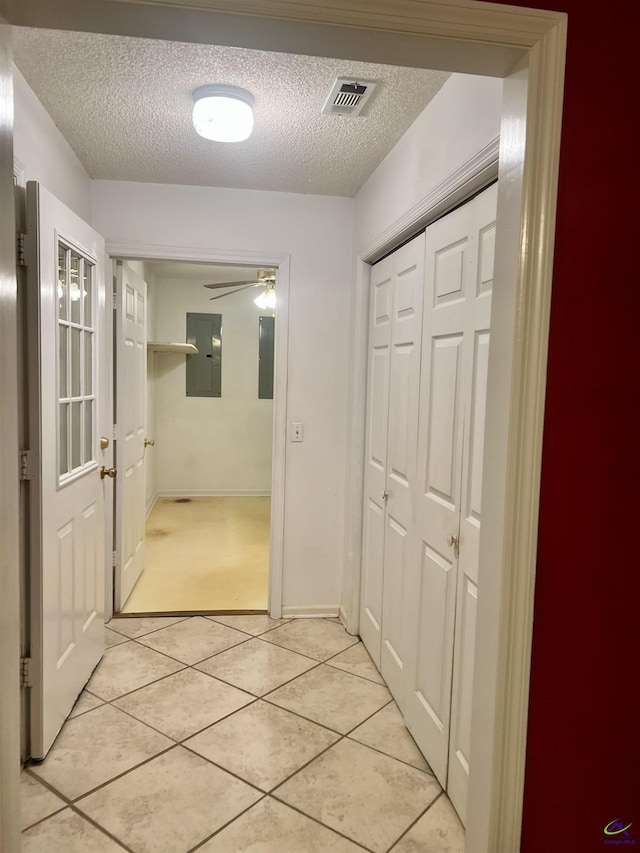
(204, 371)
(266, 358)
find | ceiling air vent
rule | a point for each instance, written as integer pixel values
(348, 97)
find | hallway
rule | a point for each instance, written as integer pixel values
(235, 734)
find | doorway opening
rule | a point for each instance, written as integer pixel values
(194, 365)
(531, 382)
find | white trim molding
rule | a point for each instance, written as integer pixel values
(280, 260)
(150, 507)
(10, 556)
(214, 493)
(319, 611)
(469, 178)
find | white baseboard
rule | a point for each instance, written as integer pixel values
(342, 615)
(154, 501)
(317, 611)
(215, 493)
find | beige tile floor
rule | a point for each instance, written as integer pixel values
(205, 554)
(235, 734)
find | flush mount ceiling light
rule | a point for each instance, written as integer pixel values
(223, 113)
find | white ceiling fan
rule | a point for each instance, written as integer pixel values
(265, 278)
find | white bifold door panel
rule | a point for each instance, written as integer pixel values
(428, 349)
(131, 385)
(375, 468)
(66, 377)
(392, 417)
(476, 355)
(441, 608)
(402, 429)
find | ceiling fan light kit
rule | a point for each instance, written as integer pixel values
(223, 113)
(265, 300)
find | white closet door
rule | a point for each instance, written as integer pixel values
(404, 383)
(375, 474)
(478, 317)
(391, 432)
(431, 602)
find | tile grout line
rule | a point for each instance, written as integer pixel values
(94, 823)
(146, 634)
(414, 822)
(135, 690)
(233, 646)
(320, 823)
(165, 678)
(68, 804)
(228, 823)
(75, 800)
(262, 695)
(298, 714)
(395, 757)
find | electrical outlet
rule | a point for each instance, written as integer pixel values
(297, 432)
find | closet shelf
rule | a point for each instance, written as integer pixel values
(187, 349)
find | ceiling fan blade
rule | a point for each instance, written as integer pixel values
(228, 284)
(229, 292)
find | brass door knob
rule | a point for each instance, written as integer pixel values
(149, 442)
(107, 472)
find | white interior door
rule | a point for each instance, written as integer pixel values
(404, 382)
(431, 603)
(131, 385)
(375, 475)
(476, 354)
(66, 364)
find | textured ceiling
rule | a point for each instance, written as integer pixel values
(124, 104)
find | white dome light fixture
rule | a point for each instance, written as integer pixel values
(223, 113)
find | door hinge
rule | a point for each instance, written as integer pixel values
(114, 301)
(25, 672)
(114, 434)
(20, 255)
(27, 462)
(114, 559)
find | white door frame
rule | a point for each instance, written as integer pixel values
(527, 48)
(10, 616)
(149, 252)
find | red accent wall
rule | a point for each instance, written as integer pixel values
(583, 753)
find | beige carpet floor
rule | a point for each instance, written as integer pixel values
(205, 554)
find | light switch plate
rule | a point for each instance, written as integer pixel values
(297, 432)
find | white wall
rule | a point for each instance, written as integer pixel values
(209, 445)
(460, 121)
(317, 232)
(45, 154)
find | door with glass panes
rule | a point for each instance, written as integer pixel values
(65, 363)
